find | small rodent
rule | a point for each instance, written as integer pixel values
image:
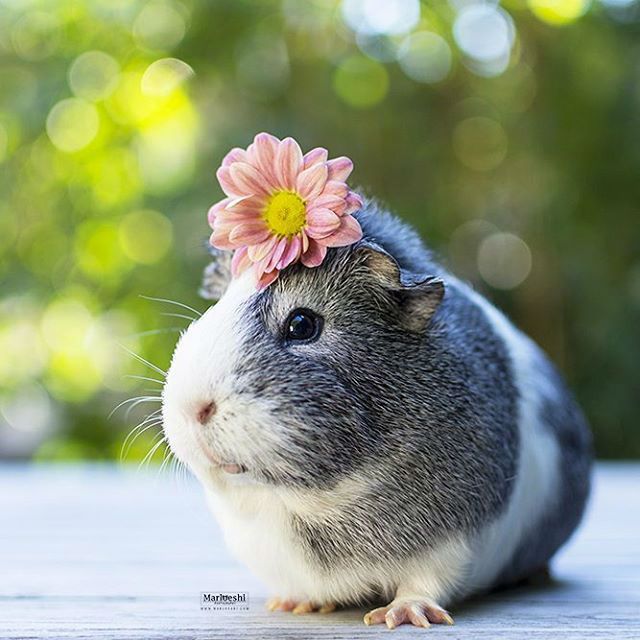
(374, 430)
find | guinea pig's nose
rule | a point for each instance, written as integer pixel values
(205, 413)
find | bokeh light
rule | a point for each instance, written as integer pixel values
(425, 57)
(262, 64)
(389, 17)
(145, 236)
(559, 12)
(504, 260)
(485, 34)
(164, 76)
(464, 244)
(36, 35)
(72, 124)
(98, 251)
(24, 355)
(160, 25)
(379, 47)
(93, 75)
(361, 82)
(29, 410)
(480, 143)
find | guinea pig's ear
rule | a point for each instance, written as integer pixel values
(418, 295)
(216, 275)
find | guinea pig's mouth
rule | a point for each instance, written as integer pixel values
(228, 467)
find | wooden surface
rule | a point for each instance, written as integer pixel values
(108, 552)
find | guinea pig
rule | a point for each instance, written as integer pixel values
(373, 430)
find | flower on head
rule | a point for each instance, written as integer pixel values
(282, 206)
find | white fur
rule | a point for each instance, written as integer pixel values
(255, 523)
(199, 373)
(537, 474)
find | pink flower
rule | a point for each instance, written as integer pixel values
(282, 206)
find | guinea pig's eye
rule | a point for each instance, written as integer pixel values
(303, 326)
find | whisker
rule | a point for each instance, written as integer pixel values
(125, 452)
(141, 359)
(179, 315)
(144, 378)
(153, 332)
(154, 415)
(149, 455)
(168, 454)
(178, 304)
(180, 471)
(136, 400)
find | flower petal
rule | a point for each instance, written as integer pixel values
(348, 233)
(354, 202)
(250, 205)
(304, 238)
(277, 254)
(336, 188)
(328, 201)
(228, 222)
(258, 252)
(215, 209)
(311, 181)
(314, 157)
(262, 153)
(220, 240)
(248, 179)
(340, 168)
(248, 233)
(266, 279)
(235, 155)
(240, 261)
(315, 255)
(288, 163)
(227, 183)
(322, 223)
(291, 253)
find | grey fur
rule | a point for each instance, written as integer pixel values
(409, 384)
(216, 275)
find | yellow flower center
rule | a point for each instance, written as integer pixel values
(285, 213)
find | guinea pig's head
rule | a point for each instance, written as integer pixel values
(284, 386)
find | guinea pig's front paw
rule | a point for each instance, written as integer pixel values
(299, 606)
(417, 611)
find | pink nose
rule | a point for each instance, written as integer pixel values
(204, 415)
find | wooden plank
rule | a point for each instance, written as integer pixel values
(102, 551)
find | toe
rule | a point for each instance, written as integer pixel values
(437, 614)
(396, 616)
(376, 616)
(416, 616)
(303, 607)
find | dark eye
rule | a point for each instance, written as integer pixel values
(303, 325)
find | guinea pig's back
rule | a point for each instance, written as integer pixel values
(553, 466)
(561, 416)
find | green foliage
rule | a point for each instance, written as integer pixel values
(520, 167)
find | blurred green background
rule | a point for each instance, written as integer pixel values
(509, 133)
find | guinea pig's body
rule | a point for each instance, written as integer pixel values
(419, 449)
